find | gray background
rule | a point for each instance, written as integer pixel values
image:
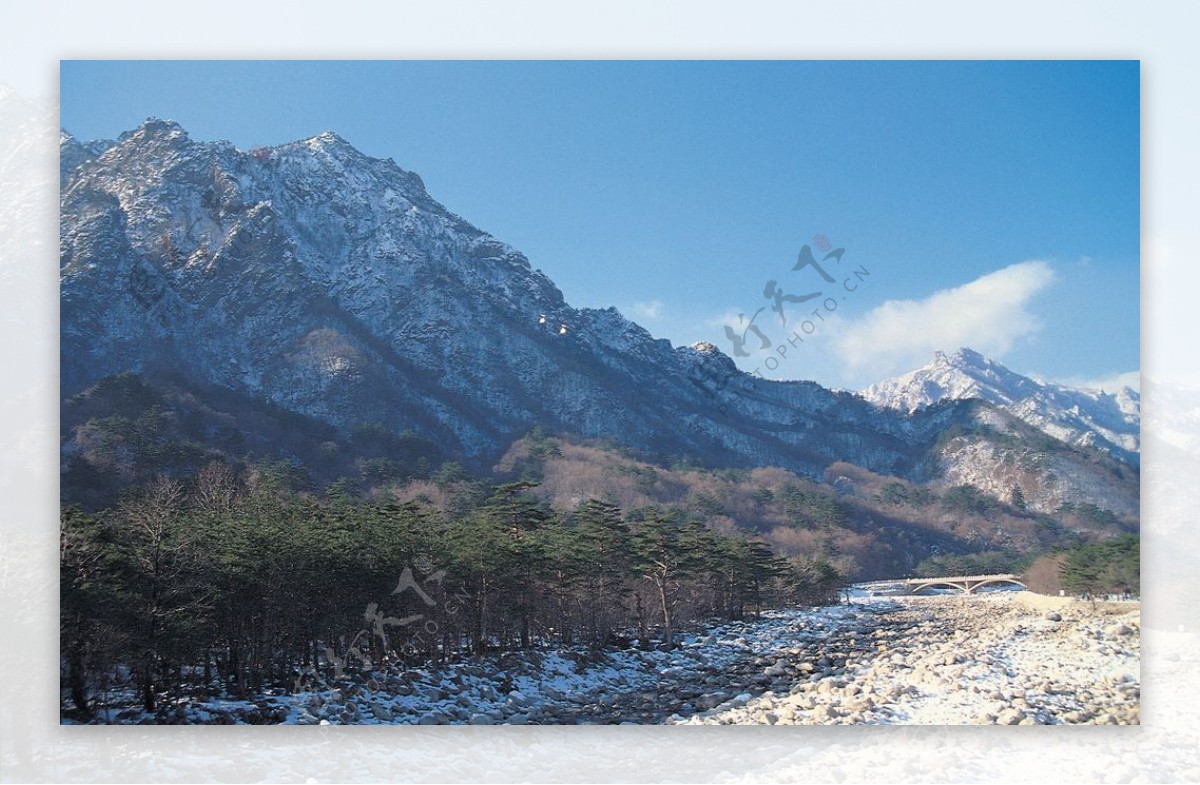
(33, 747)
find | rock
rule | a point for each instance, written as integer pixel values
(1010, 717)
(890, 693)
(517, 698)
(481, 719)
(861, 705)
(825, 712)
(1053, 616)
(740, 700)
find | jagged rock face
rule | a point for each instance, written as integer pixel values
(1000, 452)
(1091, 418)
(331, 284)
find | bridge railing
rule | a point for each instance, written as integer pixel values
(966, 583)
(964, 579)
(953, 578)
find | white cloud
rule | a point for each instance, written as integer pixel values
(651, 310)
(988, 314)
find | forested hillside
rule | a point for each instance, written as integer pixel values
(868, 525)
(242, 577)
(240, 582)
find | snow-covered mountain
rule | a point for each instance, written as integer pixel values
(1107, 420)
(330, 284)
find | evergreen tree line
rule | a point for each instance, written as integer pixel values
(1107, 567)
(228, 583)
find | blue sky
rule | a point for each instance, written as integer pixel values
(995, 205)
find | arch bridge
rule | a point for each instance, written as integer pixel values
(967, 584)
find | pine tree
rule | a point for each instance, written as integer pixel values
(88, 602)
(606, 546)
(667, 551)
(1081, 572)
(485, 561)
(162, 557)
(521, 514)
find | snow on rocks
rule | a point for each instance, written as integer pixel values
(951, 660)
(723, 667)
(988, 659)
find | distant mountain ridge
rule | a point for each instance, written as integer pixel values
(330, 284)
(1110, 421)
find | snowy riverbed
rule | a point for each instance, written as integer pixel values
(1006, 658)
(992, 658)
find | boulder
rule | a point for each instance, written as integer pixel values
(382, 713)
(1010, 717)
(824, 713)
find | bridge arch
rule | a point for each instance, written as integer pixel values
(967, 584)
(933, 584)
(994, 581)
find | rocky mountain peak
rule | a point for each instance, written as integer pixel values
(154, 129)
(329, 138)
(323, 282)
(1085, 417)
(963, 358)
